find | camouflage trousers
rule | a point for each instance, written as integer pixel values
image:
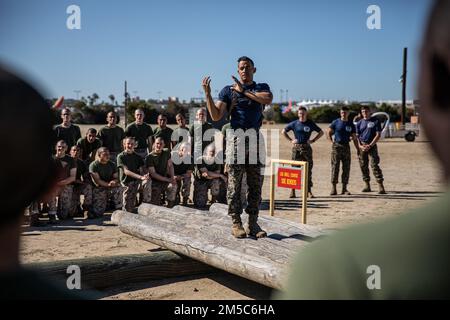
(374, 163)
(183, 187)
(101, 196)
(131, 189)
(236, 181)
(304, 152)
(159, 188)
(340, 153)
(201, 191)
(60, 203)
(84, 189)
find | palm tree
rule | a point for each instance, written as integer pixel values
(112, 98)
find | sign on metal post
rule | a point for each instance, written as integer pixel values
(292, 175)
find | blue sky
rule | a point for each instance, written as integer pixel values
(315, 49)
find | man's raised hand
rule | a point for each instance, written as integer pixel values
(206, 85)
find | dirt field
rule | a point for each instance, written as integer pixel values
(411, 180)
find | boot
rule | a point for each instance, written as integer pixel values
(253, 229)
(333, 191)
(344, 190)
(292, 195)
(185, 201)
(367, 187)
(170, 204)
(381, 188)
(237, 230)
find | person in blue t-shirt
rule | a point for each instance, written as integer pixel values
(343, 130)
(244, 102)
(368, 131)
(301, 145)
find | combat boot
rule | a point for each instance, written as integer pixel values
(52, 219)
(185, 201)
(344, 190)
(292, 195)
(381, 188)
(237, 230)
(170, 204)
(253, 229)
(367, 187)
(333, 191)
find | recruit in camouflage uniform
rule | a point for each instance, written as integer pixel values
(141, 132)
(60, 201)
(368, 130)
(81, 186)
(135, 179)
(244, 102)
(183, 168)
(207, 176)
(107, 186)
(301, 144)
(160, 168)
(343, 130)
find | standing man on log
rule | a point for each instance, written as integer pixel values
(244, 101)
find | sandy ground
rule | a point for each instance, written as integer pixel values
(411, 180)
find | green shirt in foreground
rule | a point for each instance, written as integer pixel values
(132, 161)
(411, 251)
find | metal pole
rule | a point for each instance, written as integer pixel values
(125, 103)
(405, 58)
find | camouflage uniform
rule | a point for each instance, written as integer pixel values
(374, 163)
(60, 203)
(340, 152)
(304, 152)
(101, 195)
(236, 173)
(184, 187)
(131, 189)
(84, 189)
(201, 190)
(159, 188)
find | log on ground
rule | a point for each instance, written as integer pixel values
(104, 272)
(206, 237)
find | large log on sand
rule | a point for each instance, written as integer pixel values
(110, 271)
(206, 236)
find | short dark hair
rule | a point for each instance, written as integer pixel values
(344, 108)
(303, 108)
(245, 58)
(30, 171)
(181, 115)
(92, 130)
(365, 108)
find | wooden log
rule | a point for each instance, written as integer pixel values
(206, 236)
(104, 272)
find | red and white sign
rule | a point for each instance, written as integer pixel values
(290, 178)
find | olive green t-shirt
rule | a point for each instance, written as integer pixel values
(182, 168)
(141, 133)
(214, 167)
(180, 135)
(82, 171)
(166, 134)
(70, 134)
(88, 149)
(158, 161)
(65, 164)
(406, 257)
(106, 171)
(112, 138)
(132, 161)
(197, 132)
